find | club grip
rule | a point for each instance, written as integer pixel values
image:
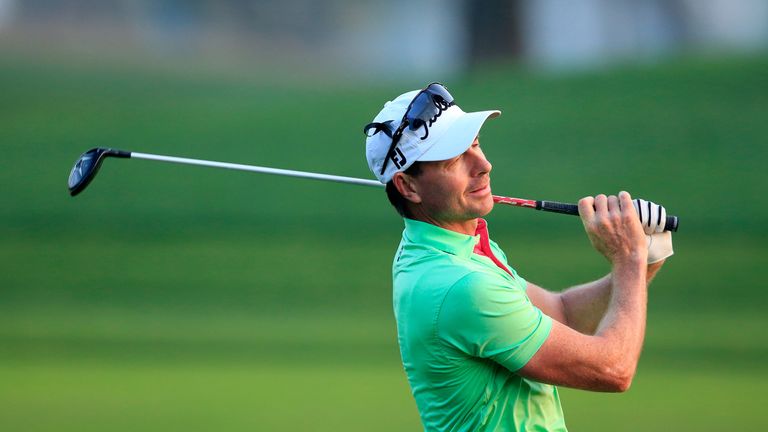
(558, 207)
(573, 209)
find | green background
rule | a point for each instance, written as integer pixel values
(182, 298)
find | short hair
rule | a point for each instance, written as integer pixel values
(395, 198)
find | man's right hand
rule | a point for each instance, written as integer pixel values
(613, 227)
(607, 359)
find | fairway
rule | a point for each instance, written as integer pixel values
(157, 371)
(170, 298)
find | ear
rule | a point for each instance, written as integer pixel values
(407, 186)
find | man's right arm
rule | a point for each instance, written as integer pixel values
(607, 360)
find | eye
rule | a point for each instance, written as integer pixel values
(451, 162)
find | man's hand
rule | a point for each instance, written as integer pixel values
(652, 218)
(606, 358)
(614, 228)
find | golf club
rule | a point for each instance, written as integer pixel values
(88, 165)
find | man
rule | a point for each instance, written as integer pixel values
(482, 348)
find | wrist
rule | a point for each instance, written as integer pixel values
(634, 260)
(629, 275)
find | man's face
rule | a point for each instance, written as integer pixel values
(458, 189)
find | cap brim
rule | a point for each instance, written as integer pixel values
(459, 137)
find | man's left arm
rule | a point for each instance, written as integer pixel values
(580, 307)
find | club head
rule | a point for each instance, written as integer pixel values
(88, 165)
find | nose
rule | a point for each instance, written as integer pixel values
(481, 164)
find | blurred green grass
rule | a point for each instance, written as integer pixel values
(174, 298)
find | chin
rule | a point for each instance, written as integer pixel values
(487, 210)
(484, 207)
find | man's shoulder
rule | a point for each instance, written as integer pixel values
(417, 256)
(433, 268)
(476, 288)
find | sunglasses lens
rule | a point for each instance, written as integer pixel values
(421, 108)
(429, 102)
(439, 90)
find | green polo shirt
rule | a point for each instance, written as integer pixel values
(465, 326)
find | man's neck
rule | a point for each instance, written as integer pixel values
(468, 227)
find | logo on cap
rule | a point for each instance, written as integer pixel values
(398, 158)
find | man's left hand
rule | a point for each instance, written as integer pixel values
(652, 218)
(659, 246)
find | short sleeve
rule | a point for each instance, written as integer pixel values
(487, 316)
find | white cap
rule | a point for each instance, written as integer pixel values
(450, 135)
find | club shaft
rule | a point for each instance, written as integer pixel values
(257, 169)
(550, 206)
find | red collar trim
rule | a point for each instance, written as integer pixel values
(483, 247)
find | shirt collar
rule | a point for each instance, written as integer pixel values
(440, 238)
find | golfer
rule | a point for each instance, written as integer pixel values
(483, 348)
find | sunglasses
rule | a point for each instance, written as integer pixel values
(423, 111)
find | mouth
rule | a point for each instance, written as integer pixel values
(486, 189)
